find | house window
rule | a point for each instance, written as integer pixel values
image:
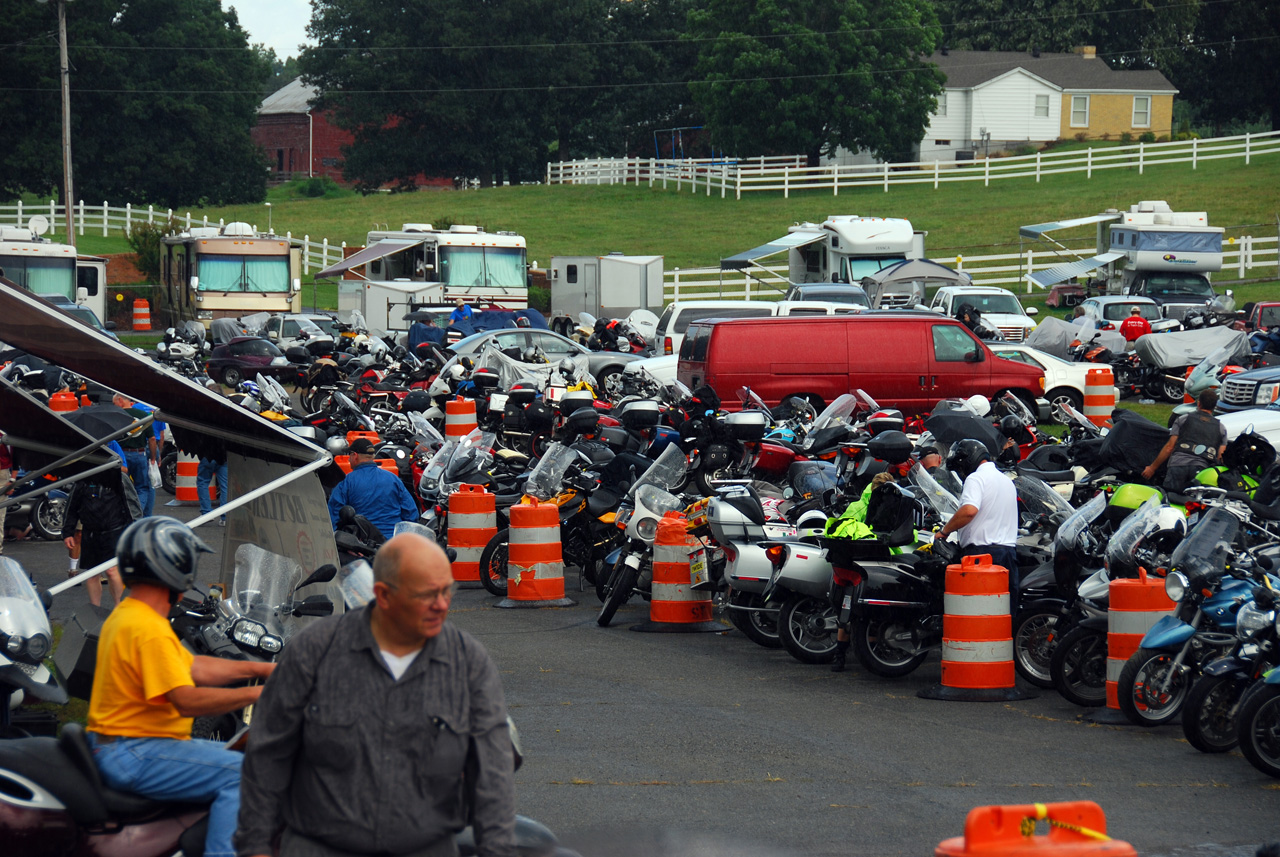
(1142, 111)
(1042, 105)
(1079, 111)
(942, 104)
(942, 142)
(279, 160)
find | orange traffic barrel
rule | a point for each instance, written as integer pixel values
(185, 485)
(977, 635)
(535, 566)
(141, 315)
(674, 604)
(459, 418)
(1075, 829)
(473, 521)
(62, 402)
(1099, 395)
(1134, 607)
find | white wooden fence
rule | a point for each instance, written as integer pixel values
(736, 177)
(1246, 257)
(102, 219)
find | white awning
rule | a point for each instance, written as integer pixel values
(1038, 229)
(1071, 270)
(749, 257)
(385, 247)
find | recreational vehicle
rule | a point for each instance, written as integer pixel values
(39, 265)
(213, 272)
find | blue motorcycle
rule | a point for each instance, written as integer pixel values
(1156, 679)
(1258, 724)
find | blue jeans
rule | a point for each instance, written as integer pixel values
(140, 473)
(204, 475)
(169, 769)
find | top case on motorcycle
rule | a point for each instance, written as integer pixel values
(49, 762)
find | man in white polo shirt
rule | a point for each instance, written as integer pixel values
(987, 519)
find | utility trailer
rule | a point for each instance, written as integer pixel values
(609, 286)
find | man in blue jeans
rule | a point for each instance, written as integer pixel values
(147, 688)
(209, 468)
(139, 451)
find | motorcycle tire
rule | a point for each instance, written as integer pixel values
(1034, 637)
(47, 515)
(1258, 729)
(757, 626)
(493, 563)
(169, 473)
(879, 656)
(1209, 714)
(220, 728)
(1078, 667)
(619, 588)
(802, 626)
(1140, 702)
(704, 478)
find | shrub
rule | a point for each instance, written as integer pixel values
(1081, 136)
(144, 238)
(1147, 137)
(540, 299)
(1126, 138)
(1025, 150)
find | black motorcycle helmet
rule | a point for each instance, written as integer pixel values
(1012, 427)
(416, 401)
(160, 551)
(965, 456)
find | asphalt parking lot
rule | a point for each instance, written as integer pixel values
(641, 743)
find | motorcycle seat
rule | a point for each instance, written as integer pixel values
(389, 387)
(1050, 476)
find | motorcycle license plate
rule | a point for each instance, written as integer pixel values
(847, 604)
(698, 567)
(498, 401)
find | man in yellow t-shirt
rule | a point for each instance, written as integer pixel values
(147, 688)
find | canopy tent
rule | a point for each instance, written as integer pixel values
(918, 274)
(382, 248)
(1071, 270)
(750, 257)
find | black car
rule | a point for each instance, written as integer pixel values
(1175, 292)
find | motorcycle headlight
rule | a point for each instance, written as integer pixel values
(271, 644)
(1175, 584)
(647, 528)
(246, 632)
(15, 645)
(1251, 620)
(38, 647)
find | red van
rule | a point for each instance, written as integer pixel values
(908, 360)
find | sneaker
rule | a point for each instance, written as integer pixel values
(222, 522)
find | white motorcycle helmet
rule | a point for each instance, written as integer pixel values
(811, 524)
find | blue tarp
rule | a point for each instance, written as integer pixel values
(497, 319)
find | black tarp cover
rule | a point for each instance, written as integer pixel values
(1133, 442)
(953, 426)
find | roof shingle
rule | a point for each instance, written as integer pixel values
(967, 69)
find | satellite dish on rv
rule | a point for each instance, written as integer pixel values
(39, 224)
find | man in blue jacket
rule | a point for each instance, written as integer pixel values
(377, 494)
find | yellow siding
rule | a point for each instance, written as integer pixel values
(1112, 114)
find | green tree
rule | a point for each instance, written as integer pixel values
(163, 94)
(1230, 73)
(283, 72)
(807, 76)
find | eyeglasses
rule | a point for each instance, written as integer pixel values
(430, 596)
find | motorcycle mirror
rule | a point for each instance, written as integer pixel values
(349, 542)
(451, 554)
(323, 574)
(347, 514)
(46, 599)
(314, 605)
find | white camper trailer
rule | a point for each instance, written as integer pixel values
(844, 248)
(419, 267)
(609, 286)
(41, 266)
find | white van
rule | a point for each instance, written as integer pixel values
(677, 317)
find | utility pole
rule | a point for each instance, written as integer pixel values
(65, 77)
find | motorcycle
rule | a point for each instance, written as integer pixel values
(44, 512)
(28, 637)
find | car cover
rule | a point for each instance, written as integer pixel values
(953, 426)
(1053, 336)
(1189, 347)
(497, 319)
(1133, 442)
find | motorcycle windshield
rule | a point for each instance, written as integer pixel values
(750, 400)
(344, 403)
(1205, 375)
(665, 473)
(811, 478)
(1076, 418)
(1039, 499)
(1137, 526)
(434, 470)
(839, 411)
(942, 501)
(1018, 408)
(470, 458)
(586, 319)
(1205, 550)
(1068, 537)
(274, 396)
(412, 527)
(424, 433)
(657, 501)
(547, 477)
(357, 322)
(263, 582)
(21, 613)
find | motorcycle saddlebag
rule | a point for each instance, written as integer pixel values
(77, 652)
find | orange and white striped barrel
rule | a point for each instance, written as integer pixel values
(1073, 829)
(63, 402)
(1134, 606)
(977, 634)
(459, 418)
(473, 521)
(675, 605)
(535, 566)
(141, 315)
(185, 485)
(1099, 395)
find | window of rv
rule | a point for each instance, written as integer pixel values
(244, 274)
(43, 275)
(853, 270)
(482, 266)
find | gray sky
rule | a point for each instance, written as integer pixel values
(278, 24)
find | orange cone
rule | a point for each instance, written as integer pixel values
(535, 566)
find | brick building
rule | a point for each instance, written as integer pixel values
(298, 141)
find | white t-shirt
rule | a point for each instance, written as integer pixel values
(996, 499)
(398, 663)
